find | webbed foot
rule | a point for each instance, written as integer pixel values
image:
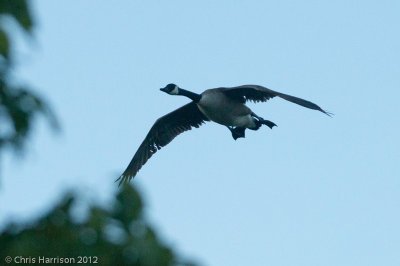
(268, 123)
(261, 121)
(237, 132)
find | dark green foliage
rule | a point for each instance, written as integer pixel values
(19, 10)
(119, 236)
(4, 45)
(116, 236)
(18, 104)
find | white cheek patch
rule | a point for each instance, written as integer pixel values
(175, 90)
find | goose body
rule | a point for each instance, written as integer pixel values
(219, 108)
(225, 106)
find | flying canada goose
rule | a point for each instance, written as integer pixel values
(225, 106)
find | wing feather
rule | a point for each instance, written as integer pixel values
(164, 130)
(257, 93)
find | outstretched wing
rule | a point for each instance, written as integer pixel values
(164, 130)
(257, 93)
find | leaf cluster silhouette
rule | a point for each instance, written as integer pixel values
(116, 236)
(119, 235)
(19, 105)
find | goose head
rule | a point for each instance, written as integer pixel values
(171, 89)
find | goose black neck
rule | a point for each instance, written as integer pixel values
(194, 96)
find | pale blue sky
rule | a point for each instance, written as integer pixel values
(313, 191)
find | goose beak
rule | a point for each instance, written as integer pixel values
(162, 89)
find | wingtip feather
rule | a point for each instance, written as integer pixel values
(123, 179)
(327, 113)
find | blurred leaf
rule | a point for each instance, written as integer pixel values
(4, 44)
(128, 207)
(57, 235)
(19, 10)
(20, 107)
